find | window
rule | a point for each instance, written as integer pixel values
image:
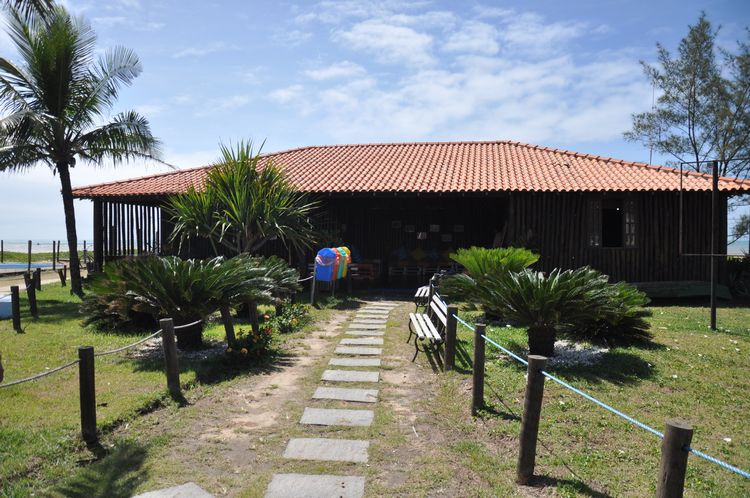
(612, 222)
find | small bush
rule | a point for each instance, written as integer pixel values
(293, 318)
(251, 346)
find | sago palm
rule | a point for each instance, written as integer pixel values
(55, 99)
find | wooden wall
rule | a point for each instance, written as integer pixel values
(556, 225)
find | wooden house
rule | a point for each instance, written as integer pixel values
(403, 207)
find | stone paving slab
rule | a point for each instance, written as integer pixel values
(347, 394)
(350, 376)
(328, 416)
(337, 450)
(187, 490)
(373, 311)
(355, 362)
(358, 351)
(365, 332)
(361, 341)
(320, 486)
(366, 326)
(369, 321)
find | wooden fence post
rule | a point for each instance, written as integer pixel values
(38, 278)
(87, 389)
(450, 339)
(312, 291)
(29, 256)
(674, 456)
(532, 408)
(2, 251)
(477, 390)
(31, 294)
(15, 308)
(170, 357)
(54, 263)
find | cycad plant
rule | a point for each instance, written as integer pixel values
(481, 265)
(581, 304)
(245, 202)
(184, 290)
(55, 104)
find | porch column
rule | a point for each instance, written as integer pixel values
(98, 236)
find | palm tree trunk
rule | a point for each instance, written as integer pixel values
(70, 226)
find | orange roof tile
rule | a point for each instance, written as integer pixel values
(439, 167)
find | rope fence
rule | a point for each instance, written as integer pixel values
(113, 351)
(682, 447)
(39, 375)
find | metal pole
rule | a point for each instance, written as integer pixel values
(714, 250)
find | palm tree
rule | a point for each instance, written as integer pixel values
(246, 202)
(30, 8)
(54, 100)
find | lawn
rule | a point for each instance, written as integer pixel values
(687, 372)
(39, 421)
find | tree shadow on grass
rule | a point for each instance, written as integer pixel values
(115, 474)
(569, 485)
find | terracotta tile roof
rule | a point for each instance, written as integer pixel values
(439, 167)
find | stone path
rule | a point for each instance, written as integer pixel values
(369, 327)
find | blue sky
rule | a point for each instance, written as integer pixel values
(560, 74)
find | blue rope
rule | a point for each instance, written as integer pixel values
(718, 462)
(630, 419)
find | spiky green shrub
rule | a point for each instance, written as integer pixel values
(184, 290)
(580, 304)
(481, 265)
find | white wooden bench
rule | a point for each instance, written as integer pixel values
(421, 297)
(429, 328)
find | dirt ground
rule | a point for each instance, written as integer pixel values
(230, 441)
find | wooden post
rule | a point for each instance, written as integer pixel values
(15, 308)
(477, 390)
(29, 257)
(85, 254)
(674, 456)
(226, 317)
(87, 391)
(450, 339)
(63, 273)
(714, 238)
(532, 408)
(38, 278)
(31, 294)
(53, 255)
(98, 235)
(170, 357)
(2, 251)
(312, 291)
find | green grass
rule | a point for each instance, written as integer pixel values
(687, 372)
(39, 421)
(23, 257)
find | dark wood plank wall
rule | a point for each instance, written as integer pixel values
(554, 224)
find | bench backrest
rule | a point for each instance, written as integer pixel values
(439, 309)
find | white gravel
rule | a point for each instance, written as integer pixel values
(568, 354)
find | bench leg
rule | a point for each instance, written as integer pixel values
(416, 349)
(411, 333)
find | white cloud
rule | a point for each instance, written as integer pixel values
(287, 94)
(149, 110)
(390, 43)
(204, 50)
(343, 69)
(529, 33)
(475, 37)
(292, 38)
